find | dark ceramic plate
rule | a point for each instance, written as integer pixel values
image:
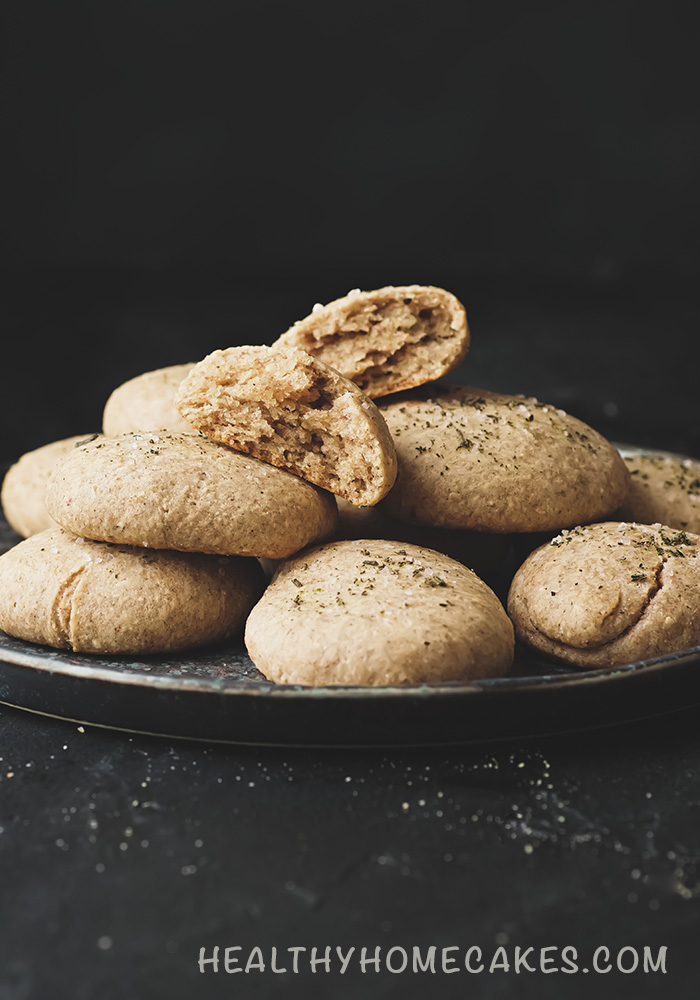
(217, 694)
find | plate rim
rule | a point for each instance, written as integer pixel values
(237, 687)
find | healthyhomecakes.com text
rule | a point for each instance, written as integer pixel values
(432, 959)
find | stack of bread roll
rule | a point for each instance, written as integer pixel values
(375, 490)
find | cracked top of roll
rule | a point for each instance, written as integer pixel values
(64, 591)
(609, 594)
(295, 412)
(386, 340)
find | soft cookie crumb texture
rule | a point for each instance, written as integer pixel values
(386, 340)
(293, 412)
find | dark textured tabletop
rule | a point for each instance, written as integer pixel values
(123, 856)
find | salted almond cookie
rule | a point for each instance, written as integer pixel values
(664, 489)
(24, 487)
(145, 403)
(488, 461)
(609, 594)
(390, 339)
(63, 591)
(372, 612)
(288, 409)
(185, 492)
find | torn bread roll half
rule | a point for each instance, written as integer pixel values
(288, 409)
(386, 340)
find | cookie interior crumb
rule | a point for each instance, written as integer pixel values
(295, 413)
(387, 340)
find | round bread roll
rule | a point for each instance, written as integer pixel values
(386, 340)
(373, 612)
(88, 597)
(609, 594)
(145, 403)
(284, 407)
(487, 461)
(664, 489)
(185, 492)
(24, 487)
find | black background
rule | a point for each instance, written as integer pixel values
(183, 176)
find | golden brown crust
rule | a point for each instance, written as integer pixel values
(386, 340)
(609, 594)
(284, 407)
(24, 487)
(85, 596)
(488, 461)
(186, 492)
(373, 612)
(145, 403)
(664, 489)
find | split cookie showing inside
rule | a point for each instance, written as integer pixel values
(386, 340)
(290, 410)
